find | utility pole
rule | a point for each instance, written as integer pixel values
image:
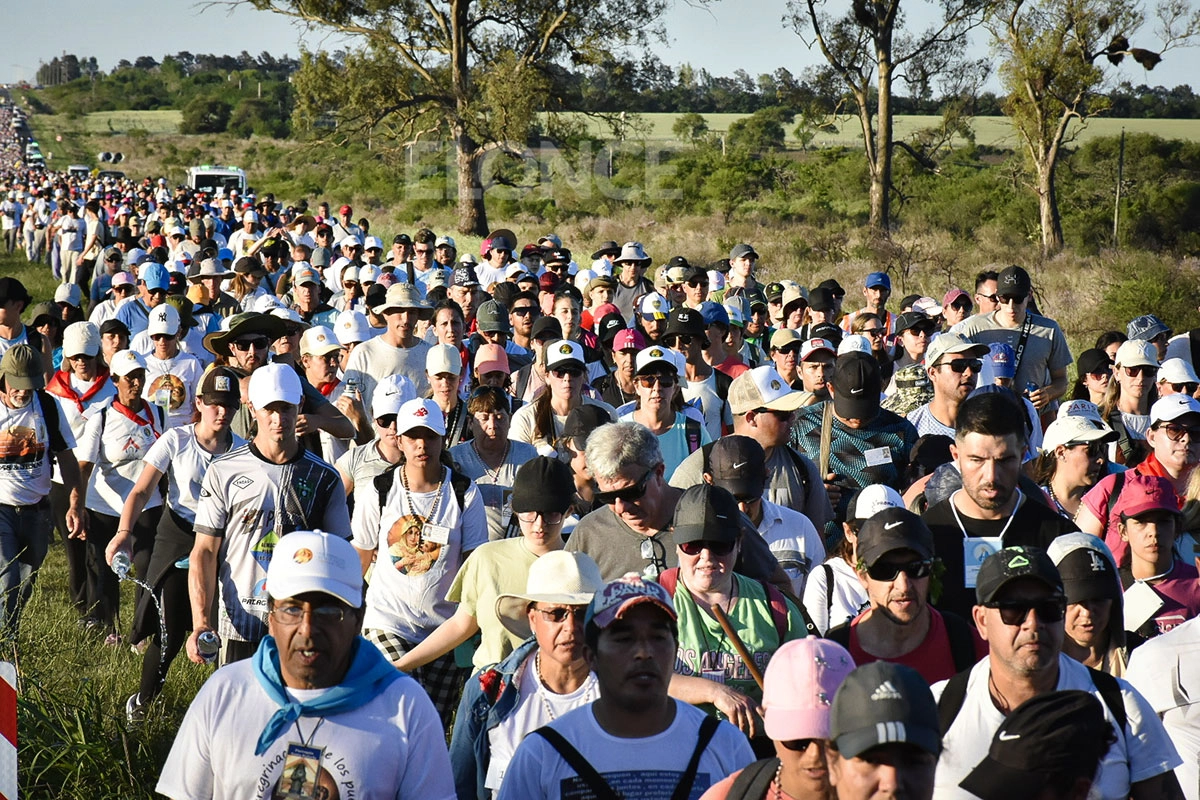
(1120, 180)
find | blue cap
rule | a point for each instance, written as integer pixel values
(713, 313)
(1003, 360)
(878, 279)
(155, 276)
(225, 254)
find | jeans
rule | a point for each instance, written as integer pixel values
(24, 540)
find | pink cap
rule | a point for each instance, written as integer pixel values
(953, 295)
(491, 358)
(600, 311)
(629, 339)
(123, 279)
(799, 685)
(1142, 493)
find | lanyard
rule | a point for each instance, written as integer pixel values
(1004, 530)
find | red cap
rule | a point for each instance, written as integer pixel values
(629, 339)
(1142, 493)
(548, 282)
(345, 210)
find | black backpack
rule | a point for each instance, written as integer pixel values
(962, 643)
(384, 481)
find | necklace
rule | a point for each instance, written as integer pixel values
(541, 685)
(998, 698)
(437, 498)
(778, 781)
(493, 474)
(1057, 503)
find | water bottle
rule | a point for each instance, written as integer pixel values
(208, 644)
(122, 565)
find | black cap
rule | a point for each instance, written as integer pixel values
(884, 703)
(685, 321)
(114, 326)
(608, 327)
(543, 484)
(220, 387)
(1089, 574)
(706, 513)
(376, 295)
(1050, 735)
(738, 465)
(13, 289)
(774, 291)
(1013, 282)
(609, 248)
(894, 529)
(827, 331)
(582, 421)
(821, 299)
(1093, 360)
(833, 286)
(556, 255)
(464, 275)
(856, 386)
(401, 238)
(1013, 563)
(546, 328)
(913, 319)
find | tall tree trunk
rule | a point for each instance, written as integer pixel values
(881, 176)
(1051, 222)
(472, 215)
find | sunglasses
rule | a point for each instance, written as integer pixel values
(162, 337)
(1185, 388)
(566, 373)
(872, 332)
(421, 251)
(696, 284)
(627, 494)
(718, 549)
(1133, 372)
(993, 298)
(549, 517)
(523, 311)
(1176, 432)
(650, 381)
(961, 365)
(800, 745)
(1101, 374)
(1015, 612)
(1008, 299)
(684, 340)
(257, 343)
(889, 572)
(386, 421)
(560, 614)
(1094, 449)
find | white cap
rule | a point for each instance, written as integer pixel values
(351, 327)
(288, 315)
(1075, 430)
(81, 338)
(164, 318)
(420, 413)
(315, 561)
(655, 354)
(349, 241)
(392, 392)
(927, 306)
(373, 243)
(815, 346)
(515, 270)
(275, 383)
(444, 241)
(126, 362)
(265, 303)
(250, 216)
(318, 341)
(716, 280)
(443, 358)
(735, 311)
(1136, 353)
(368, 273)
(654, 305)
(583, 278)
(1173, 407)
(1080, 408)
(68, 293)
(854, 343)
(563, 353)
(1176, 370)
(875, 498)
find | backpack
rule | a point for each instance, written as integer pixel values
(753, 782)
(962, 644)
(669, 579)
(459, 483)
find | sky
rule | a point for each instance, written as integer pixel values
(720, 36)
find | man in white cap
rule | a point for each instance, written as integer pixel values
(267, 724)
(306, 290)
(250, 498)
(630, 265)
(953, 365)
(359, 466)
(634, 739)
(320, 355)
(172, 376)
(398, 350)
(240, 241)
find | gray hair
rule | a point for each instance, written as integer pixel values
(612, 448)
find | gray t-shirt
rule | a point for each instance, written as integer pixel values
(1045, 351)
(495, 487)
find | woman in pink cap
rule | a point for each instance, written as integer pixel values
(798, 690)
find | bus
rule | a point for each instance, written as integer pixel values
(216, 180)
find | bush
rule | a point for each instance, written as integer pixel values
(205, 115)
(1144, 285)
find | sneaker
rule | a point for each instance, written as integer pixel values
(135, 711)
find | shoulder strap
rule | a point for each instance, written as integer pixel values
(779, 612)
(1113, 496)
(723, 382)
(1110, 692)
(754, 781)
(51, 416)
(594, 780)
(951, 701)
(708, 728)
(1026, 327)
(383, 484)
(691, 430)
(962, 644)
(802, 469)
(460, 483)
(828, 590)
(669, 579)
(826, 437)
(840, 634)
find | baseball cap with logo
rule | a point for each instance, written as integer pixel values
(764, 387)
(1087, 568)
(351, 327)
(125, 362)
(464, 275)
(893, 529)
(799, 686)
(1172, 407)
(1144, 493)
(164, 319)
(565, 354)
(275, 383)
(738, 465)
(614, 600)
(1014, 563)
(492, 317)
(392, 392)
(1072, 430)
(1004, 359)
(155, 277)
(220, 388)
(854, 343)
(608, 327)
(1014, 281)
(656, 358)
(856, 386)
(816, 346)
(654, 306)
(706, 513)
(629, 339)
(315, 561)
(21, 368)
(305, 275)
(1136, 353)
(884, 703)
(871, 500)
(318, 341)
(420, 413)
(443, 359)
(1081, 408)
(81, 339)
(877, 280)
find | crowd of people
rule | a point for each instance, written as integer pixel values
(610, 529)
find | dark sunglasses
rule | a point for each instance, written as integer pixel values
(800, 745)
(1008, 299)
(872, 332)
(650, 381)
(566, 373)
(549, 517)
(963, 364)
(716, 548)
(560, 614)
(994, 298)
(1094, 449)
(1184, 388)
(627, 494)
(257, 343)
(697, 283)
(1133, 372)
(1176, 432)
(161, 337)
(386, 421)
(522, 311)
(1015, 612)
(683, 340)
(889, 572)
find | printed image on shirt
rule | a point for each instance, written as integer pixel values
(20, 445)
(304, 778)
(411, 553)
(173, 385)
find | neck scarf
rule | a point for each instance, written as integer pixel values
(369, 674)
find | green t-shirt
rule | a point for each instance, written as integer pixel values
(705, 651)
(493, 569)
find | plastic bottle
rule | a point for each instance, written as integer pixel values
(122, 565)
(208, 644)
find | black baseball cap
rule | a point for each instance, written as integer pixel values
(821, 299)
(706, 513)
(856, 386)
(1088, 574)
(608, 327)
(685, 321)
(773, 292)
(1013, 281)
(114, 326)
(833, 286)
(546, 328)
(1013, 563)
(738, 465)
(12, 289)
(543, 484)
(884, 703)
(1092, 361)
(582, 421)
(401, 238)
(1049, 735)
(827, 331)
(894, 529)
(913, 319)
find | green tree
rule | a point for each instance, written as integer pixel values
(1053, 69)
(690, 128)
(866, 49)
(761, 132)
(255, 115)
(205, 115)
(473, 72)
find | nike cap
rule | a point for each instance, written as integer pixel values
(856, 386)
(707, 513)
(884, 703)
(894, 529)
(738, 465)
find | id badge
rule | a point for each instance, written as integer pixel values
(506, 509)
(878, 456)
(301, 772)
(438, 534)
(976, 550)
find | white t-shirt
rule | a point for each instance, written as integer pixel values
(522, 428)
(793, 540)
(716, 411)
(926, 423)
(375, 359)
(494, 487)
(412, 576)
(25, 453)
(184, 461)
(362, 464)
(1142, 751)
(849, 597)
(390, 748)
(116, 443)
(648, 768)
(181, 377)
(536, 706)
(77, 419)
(1166, 670)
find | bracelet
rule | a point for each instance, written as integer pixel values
(124, 530)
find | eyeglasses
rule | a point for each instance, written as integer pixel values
(549, 517)
(320, 615)
(1133, 372)
(800, 745)
(522, 311)
(386, 421)
(1094, 449)
(559, 615)
(716, 548)
(1015, 612)
(1185, 388)
(627, 494)
(257, 343)
(961, 365)
(889, 572)
(1176, 432)
(650, 381)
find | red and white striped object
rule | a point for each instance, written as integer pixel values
(8, 731)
